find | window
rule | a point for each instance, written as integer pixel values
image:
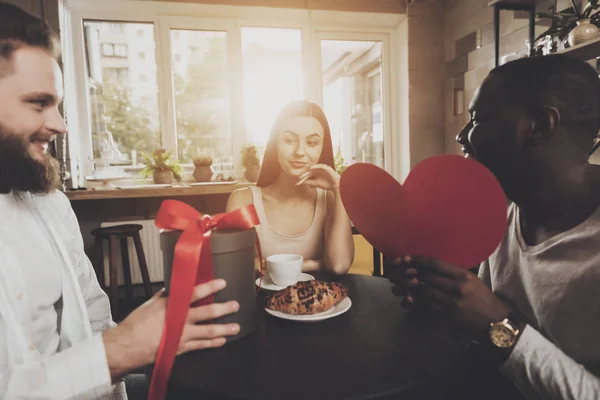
(124, 113)
(353, 100)
(272, 77)
(119, 75)
(116, 27)
(223, 80)
(201, 91)
(114, 50)
(120, 50)
(108, 50)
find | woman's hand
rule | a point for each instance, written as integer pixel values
(320, 176)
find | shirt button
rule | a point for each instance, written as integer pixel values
(31, 347)
(20, 295)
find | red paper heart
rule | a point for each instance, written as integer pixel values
(449, 208)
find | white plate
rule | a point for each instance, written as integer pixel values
(268, 284)
(340, 308)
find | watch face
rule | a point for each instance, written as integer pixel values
(502, 336)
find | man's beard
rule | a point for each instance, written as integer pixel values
(20, 171)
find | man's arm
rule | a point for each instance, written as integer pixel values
(96, 300)
(134, 342)
(78, 372)
(537, 366)
(87, 368)
(541, 370)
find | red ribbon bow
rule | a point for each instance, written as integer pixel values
(192, 247)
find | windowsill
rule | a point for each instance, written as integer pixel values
(130, 175)
(183, 189)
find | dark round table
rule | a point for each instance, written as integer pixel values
(376, 350)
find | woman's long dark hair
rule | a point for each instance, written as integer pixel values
(270, 167)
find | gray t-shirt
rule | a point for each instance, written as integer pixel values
(556, 286)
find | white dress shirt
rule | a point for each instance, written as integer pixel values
(52, 310)
(21, 231)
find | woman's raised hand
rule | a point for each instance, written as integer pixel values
(320, 176)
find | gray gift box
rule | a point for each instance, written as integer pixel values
(233, 253)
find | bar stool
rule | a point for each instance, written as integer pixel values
(122, 233)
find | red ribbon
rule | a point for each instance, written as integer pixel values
(192, 265)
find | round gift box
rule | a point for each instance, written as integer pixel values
(233, 254)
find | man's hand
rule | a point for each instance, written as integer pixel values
(459, 294)
(403, 275)
(134, 342)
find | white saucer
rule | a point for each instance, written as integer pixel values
(268, 284)
(340, 308)
(106, 182)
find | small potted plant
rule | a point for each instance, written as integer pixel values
(161, 166)
(250, 162)
(203, 170)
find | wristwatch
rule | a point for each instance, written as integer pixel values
(504, 334)
(497, 342)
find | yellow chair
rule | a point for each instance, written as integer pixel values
(367, 259)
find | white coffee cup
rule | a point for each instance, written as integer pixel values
(284, 269)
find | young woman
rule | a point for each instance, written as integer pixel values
(297, 194)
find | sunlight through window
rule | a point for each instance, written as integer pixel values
(352, 99)
(201, 91)
(273, 76)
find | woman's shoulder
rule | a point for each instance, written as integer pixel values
(239, 198)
